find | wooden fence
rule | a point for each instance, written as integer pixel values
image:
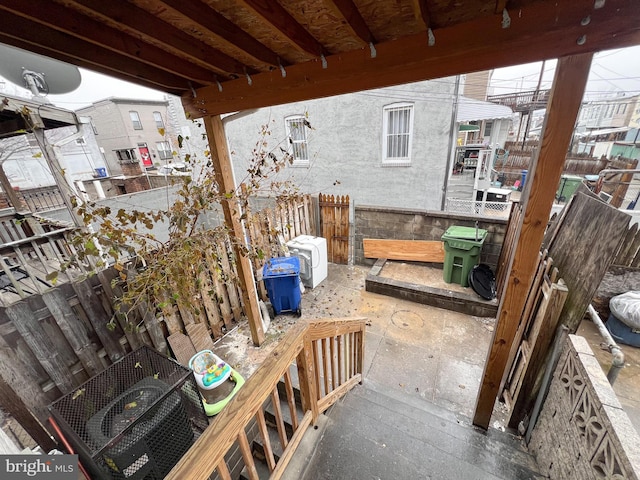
(628, 254)
(508, 246)
(520, 156)
(270, 229)
(53, 339)
(334, 226)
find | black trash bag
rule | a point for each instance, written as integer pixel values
(483, 281)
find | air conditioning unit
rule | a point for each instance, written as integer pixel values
(312, 252)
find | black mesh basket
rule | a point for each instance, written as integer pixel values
(135, 419)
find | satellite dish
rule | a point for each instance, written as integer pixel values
(41, 75)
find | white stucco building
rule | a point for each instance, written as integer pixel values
(389, 147)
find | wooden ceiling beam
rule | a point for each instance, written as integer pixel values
(422, 12)
(85, 29)
(286, 25)
(140, 24)
(225, 30)
(546, 29)
(75, 53)
(501, 5)
(352, 15)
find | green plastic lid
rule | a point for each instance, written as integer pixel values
(465, 232)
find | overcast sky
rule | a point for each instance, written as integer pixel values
(612, 72)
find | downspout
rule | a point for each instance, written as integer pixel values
(617, 355)
(453, 135)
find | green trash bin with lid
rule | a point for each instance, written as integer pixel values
(567, 187)
(462, 247)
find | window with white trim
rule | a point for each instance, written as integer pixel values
(164, 150)
(297, 137)
(157, 117)
(135, 120)
(488, 126)
(397, 131)
(126, 155)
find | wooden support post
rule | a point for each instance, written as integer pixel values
(226, 183)
(544, 175)
(11, 403)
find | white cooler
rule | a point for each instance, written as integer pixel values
(312, 252)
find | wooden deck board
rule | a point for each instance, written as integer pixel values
(408, 250)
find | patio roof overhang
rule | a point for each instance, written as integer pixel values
(231, 55)
(17, 115)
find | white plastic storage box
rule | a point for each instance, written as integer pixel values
(312, 252)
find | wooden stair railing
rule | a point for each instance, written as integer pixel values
(329, 356)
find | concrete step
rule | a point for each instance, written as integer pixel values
(376, 434)
(270, 416)
(261, 468)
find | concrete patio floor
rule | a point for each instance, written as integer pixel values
(417, 350)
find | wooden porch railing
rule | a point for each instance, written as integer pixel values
(329, 356)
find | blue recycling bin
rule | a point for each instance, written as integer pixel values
(281, 276)
(524, 179)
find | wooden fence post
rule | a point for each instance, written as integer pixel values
(306, 376)
(34, 335)
(13, 405)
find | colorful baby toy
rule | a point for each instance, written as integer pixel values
(208, 369)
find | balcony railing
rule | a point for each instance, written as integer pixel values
(531, 100)
(471, 207)
(328, 355)
(29, 257)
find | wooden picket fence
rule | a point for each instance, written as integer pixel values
(628, 254)
(334, 225)
(270, 228)
(54, 339)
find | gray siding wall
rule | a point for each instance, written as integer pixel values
(345, 145)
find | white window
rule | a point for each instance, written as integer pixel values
(488, 126)
(297, 137)
(164, 150)
(609, 113)
(127, 155)
(397, 128)
(157, 116)
(135, 120)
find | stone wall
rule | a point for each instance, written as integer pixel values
(582, 432)
(406, 224)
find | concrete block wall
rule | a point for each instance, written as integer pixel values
(582, 432)
(408, 224)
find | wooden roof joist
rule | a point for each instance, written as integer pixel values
(240, 54)
(475, 45)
